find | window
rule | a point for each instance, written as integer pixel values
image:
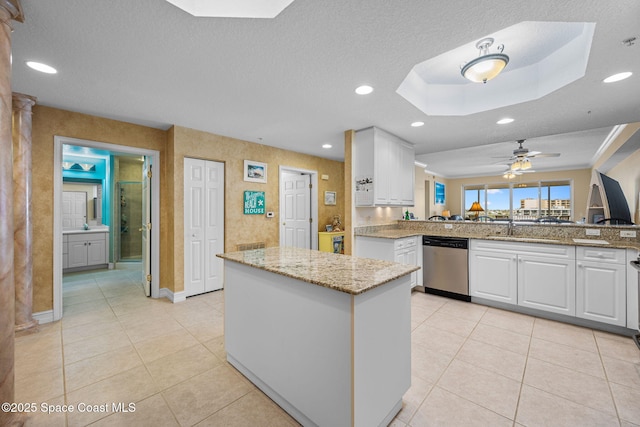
(521, 201)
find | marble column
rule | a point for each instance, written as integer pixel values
(9, 10)
(22, 221)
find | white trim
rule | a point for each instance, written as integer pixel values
(173, 297)
(43, 316)
(58, 141)
(314, 202)
(612, 136)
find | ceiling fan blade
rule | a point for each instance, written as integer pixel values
(546, 155)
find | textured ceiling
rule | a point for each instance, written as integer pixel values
(289, 81)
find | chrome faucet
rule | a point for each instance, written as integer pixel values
(510, 227)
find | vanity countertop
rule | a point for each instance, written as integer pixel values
(92, 229)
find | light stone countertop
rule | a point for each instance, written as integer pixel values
(560, 239)
(344, 273)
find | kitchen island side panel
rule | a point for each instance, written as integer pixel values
(295, 338)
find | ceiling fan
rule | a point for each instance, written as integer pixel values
(520, 162)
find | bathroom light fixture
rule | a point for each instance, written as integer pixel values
(87, 167)
(487, 65)
(364, 90)
(43, 68)
(618, 77)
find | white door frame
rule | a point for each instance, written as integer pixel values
(314, 202)
(58, 142)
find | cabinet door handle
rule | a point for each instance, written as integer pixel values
(580, 265)
(89, 243)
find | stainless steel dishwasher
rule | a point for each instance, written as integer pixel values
(445, 266)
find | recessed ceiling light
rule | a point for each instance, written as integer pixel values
(618, 77)
(417, 124)
(327, 146)
(504, 121)
(43, 68)
(364, 90)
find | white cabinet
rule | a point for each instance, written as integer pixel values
(601, 285)
(86, 249)
(65, 251)
(547, 283)
(383, 169)
(406, 250)
(537, 276)
(493, 275)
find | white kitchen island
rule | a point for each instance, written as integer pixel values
(326, 336)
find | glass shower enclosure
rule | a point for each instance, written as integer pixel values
(129, 247)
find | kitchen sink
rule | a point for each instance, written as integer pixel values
(531, 239)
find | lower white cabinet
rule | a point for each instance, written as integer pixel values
(406, 250)
(601, 285)
(65, 251)
(539, 276)
(547, 284)
(494, 276)
(583, 281)
(86, 249)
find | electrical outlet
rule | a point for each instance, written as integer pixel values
(592, 232)
(627, 233)
(448, 226)
(270, 215)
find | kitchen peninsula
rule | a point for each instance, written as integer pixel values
(326, 336)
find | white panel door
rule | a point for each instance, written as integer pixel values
(203, 225)
(296, 218)
(194, 176)
(74, 209)
(214, 225)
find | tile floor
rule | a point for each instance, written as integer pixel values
(471, 365)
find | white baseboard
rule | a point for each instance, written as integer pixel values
(173, 297)
(44, 316)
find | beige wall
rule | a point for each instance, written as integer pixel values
(425, 208)
(240, 228)
(173, 145)
(47, 123)
(581, 180)
(627, 173)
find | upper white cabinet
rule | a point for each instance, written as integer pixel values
(383, 169)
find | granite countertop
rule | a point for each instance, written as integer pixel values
(92, 229)
(400, 233)
(344, 273)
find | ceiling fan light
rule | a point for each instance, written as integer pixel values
(516, 165)
(525, 164)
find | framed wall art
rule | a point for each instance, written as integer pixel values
(329, 198)
(255, 171)
(439, 193)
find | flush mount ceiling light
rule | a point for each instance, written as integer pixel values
(504, 121)
(43, 68)
(618, 77)
(364, 90)
(326, 146)
(232, 8)
(417, 124)
(487, 65)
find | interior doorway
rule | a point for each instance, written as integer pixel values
(106, 150)
(298, 208)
